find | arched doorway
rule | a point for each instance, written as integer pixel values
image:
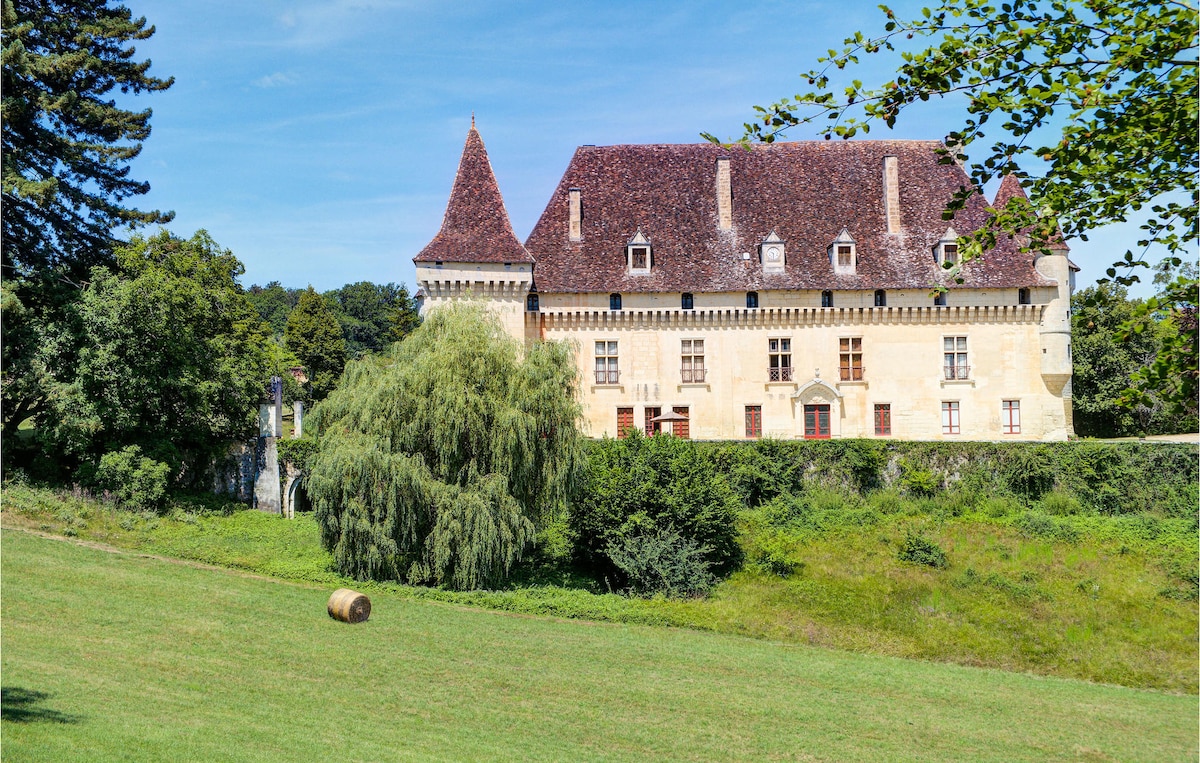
(817, 410)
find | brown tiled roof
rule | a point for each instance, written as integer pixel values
(807, 192)
(476, 227)
(1010, 188)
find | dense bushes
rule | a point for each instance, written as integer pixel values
(649, 504)
(135, 481)
(1105, 478)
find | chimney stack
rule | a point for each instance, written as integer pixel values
(724, 195)
(891, 193)
(576, 229)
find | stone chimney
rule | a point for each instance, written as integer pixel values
(724, 195)
(576, 230)
(891, 193)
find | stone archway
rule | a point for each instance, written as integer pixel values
(818, 393)
(295, 497)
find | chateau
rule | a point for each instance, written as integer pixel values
(782, 291)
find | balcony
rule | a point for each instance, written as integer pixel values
(693, 375)
(608, 377)
(957, 372)
(854, 373)
(781, 374)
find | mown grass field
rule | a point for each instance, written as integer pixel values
(116, 656)
(1114, 605)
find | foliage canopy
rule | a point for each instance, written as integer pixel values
(437, 458)
(66, 144)
(314, 336)
(654, 498)
(167, 354)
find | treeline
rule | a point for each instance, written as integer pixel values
(131, 362)
(319, 332)
(1116, 339)
(141, 374)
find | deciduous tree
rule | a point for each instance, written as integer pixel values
(373, 315)
(437, 458)
(1092, 102)
(170, 356)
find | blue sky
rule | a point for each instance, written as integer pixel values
(319, 140)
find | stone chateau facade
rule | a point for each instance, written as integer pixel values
(782, 291)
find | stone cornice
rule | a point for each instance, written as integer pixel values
(785, 317)
(477, 287)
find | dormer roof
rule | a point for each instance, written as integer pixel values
(475, 227)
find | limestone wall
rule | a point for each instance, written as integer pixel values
(902, 359)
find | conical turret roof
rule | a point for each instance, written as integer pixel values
(475, 228)
(1010, 188)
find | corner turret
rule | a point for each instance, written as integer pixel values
(476, 253)
(1055, 331)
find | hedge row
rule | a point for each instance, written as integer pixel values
(1108, 478)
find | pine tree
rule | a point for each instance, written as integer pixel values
(438, 458)
(315, 337)
(66, 144)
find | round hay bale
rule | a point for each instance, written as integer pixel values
(349, 606)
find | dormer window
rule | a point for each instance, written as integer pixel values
(843, 255)
(946, 251)
(638, 257)
(772, 253)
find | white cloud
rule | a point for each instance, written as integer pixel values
(278, 79)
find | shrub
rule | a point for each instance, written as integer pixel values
(997, 507)
(1060, 504)
(1035, 523)
(637, 488)
(919, 549)
(135, 481)
(662, 561)
(917, 480)
(772, 553)
(1028, 471)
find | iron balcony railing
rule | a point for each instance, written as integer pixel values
(693, 375)
(854, 373)
(781, 374)
(608, 377)
(958, 372)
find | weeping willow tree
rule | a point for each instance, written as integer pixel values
(437, 460)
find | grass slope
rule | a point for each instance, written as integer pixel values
(1113, 603)
(113, 656)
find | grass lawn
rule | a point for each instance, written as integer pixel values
(1117, 604)
(116, 656)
